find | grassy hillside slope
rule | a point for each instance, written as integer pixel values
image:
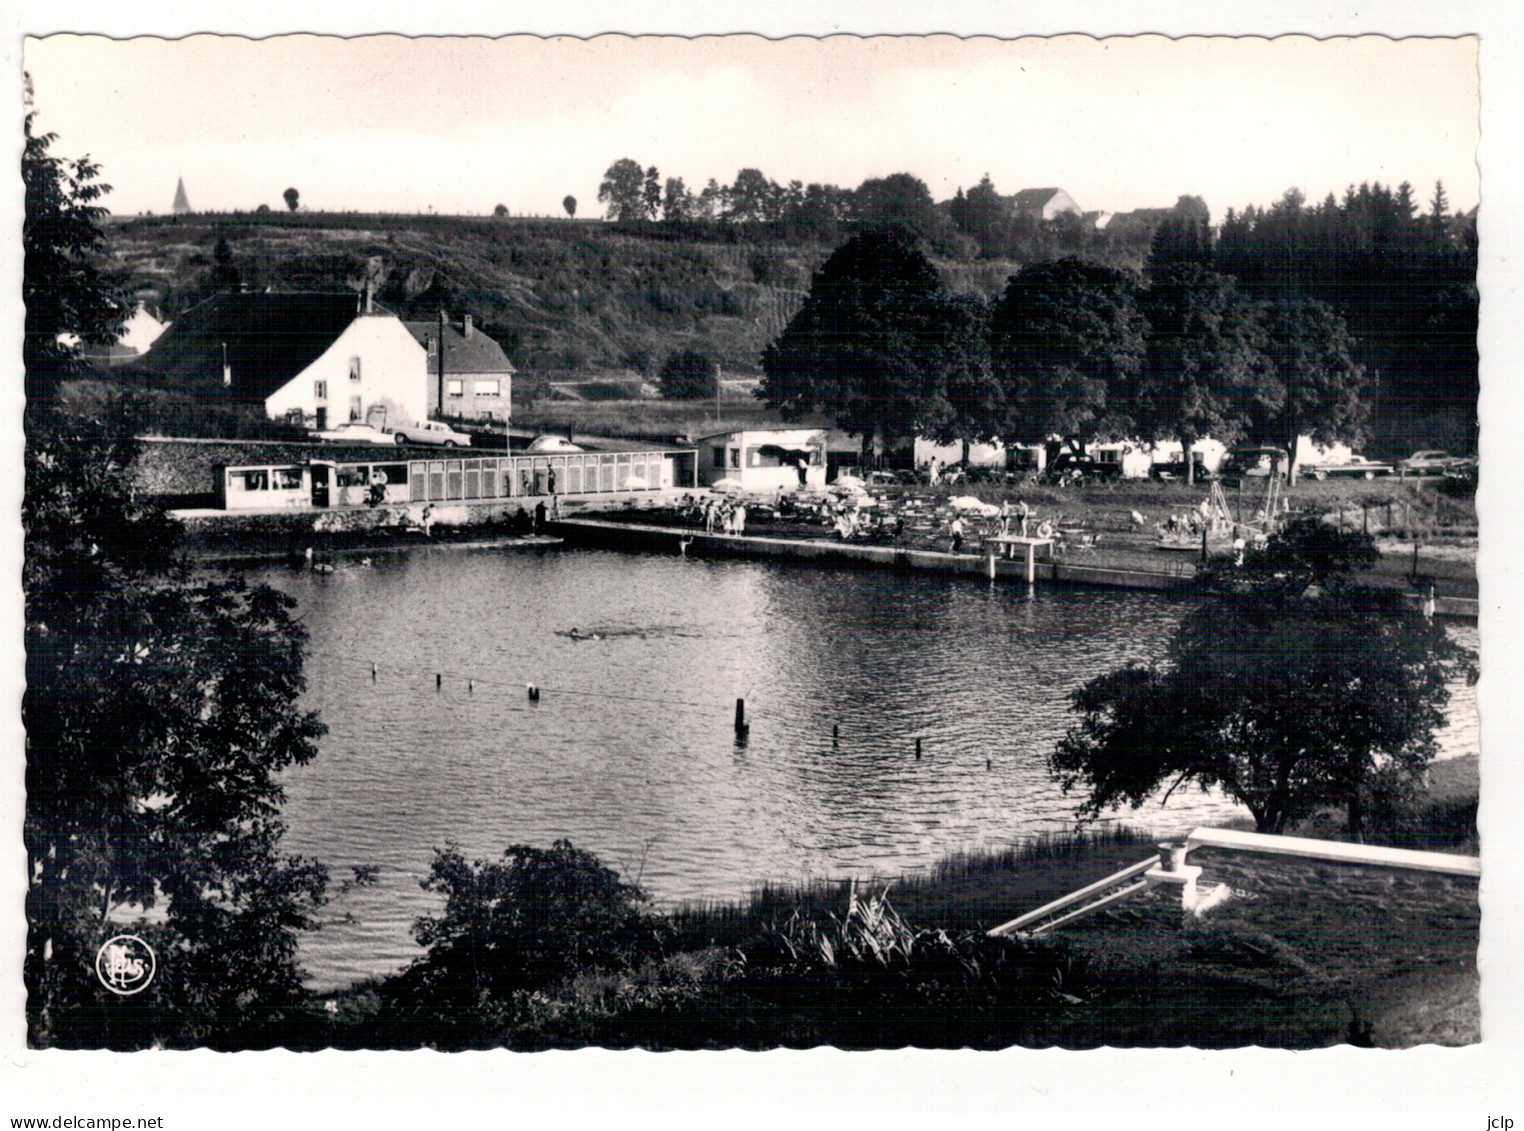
(566, 298)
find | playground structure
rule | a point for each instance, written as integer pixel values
(1213, 529)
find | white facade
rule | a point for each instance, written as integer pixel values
(1313, 455)
(979, 455)
(374, 367)
(739, 456)
(1208, 453)
(141, 330)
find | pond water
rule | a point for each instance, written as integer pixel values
(630, 751)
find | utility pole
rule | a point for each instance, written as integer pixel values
(439, 414)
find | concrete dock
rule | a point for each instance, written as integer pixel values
(1179, 577)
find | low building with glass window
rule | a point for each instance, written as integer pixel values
(764, 459)
(476, 379)
(315, 360)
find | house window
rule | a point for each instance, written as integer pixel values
(490, 388)
(355, 411)
(354, 368)
(428, 343)
(735, 457)
(719, 457)
(320, 390)
(455, 388)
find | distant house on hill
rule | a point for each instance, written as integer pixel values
(478, 377)
(1044, 203)
(314, 359)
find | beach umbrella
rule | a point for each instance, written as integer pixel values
(635, 483)
(726, 484)
(848, 481)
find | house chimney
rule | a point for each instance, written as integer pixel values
(468, 328)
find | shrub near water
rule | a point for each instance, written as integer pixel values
(537, 916)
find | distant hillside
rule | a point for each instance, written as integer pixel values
(568, 299)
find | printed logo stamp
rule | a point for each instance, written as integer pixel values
(125, 964)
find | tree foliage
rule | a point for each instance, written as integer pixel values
(623, 190)
(1306, 551)
(1322, 388)
(1404, 284)
(901, 199)
(535, 915)
(64, 290)
(1282, 699)
(689, 375)
(569, 203)
(1067, 341)
(159, 712)
(1205, 372)
(872, 343)
(293, 198)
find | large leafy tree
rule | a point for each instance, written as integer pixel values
(1322, 386)
(62, 286)
(873, 344)
(1283, 699)
(623, 190)
(900, 198)
(1067, 341)
(160, 711)
(1205, 372)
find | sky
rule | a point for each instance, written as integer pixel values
(460, 125)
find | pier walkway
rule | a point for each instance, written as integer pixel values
(1179, 576)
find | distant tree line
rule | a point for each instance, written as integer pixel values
(816, 211)
(1404, 281)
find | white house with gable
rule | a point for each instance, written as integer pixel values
(315, 359)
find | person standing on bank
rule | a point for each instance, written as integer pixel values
(539, 516)
(956, 529)
(550, 478)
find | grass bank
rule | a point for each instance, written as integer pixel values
(1302, 955)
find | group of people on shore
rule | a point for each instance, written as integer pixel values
(726, 515)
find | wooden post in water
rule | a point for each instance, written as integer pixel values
(741, 725)
(918, 750)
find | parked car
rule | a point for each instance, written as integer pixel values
(1253, 463)
(356, 432)
(1169, 470)
(432, 432)
(1357, 467)
(1427, 463)
(1067, 465)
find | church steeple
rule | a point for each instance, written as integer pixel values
(182, 204)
